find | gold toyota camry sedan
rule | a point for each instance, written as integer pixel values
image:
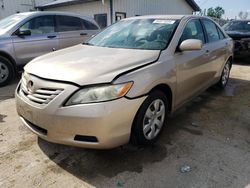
(121, 85)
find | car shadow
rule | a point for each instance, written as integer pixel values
(87, 164)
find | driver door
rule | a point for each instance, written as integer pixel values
(192, 66)
(43, 39)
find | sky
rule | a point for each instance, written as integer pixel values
(231, 7)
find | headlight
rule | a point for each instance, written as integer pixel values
(99, 93)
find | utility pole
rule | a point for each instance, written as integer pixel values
(111, 11)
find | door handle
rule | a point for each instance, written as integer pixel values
(83, 34)
(51, 36)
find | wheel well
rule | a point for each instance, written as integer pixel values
(230, 59)
(167, 90)
(12, 61)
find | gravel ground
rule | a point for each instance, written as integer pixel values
(210, 134)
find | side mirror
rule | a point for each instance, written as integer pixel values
(191, 45)
(23, 33)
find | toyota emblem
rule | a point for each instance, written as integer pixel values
(30, 86)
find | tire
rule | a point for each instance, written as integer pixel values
(144, 125)
(225, 75)
(6, 71)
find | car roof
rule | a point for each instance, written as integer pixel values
(41, 13)
(169, 17)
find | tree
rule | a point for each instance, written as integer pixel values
(243, 15)
(215, 12)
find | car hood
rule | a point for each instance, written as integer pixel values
(2, 34)
(85, 65)
(238, 34)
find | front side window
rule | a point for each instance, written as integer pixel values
(40, 25)
(193, 30)
(69, 23)
(211, 29)
(148, 34)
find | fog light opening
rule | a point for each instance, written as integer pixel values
(82, 138)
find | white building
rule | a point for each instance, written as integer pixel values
(9, 7)
(106, 12)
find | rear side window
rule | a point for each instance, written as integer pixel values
(69, 23)
(89, 26)
(40, 25)
(193, 30)
(211, 29)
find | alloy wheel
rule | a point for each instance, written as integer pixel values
(225, 74)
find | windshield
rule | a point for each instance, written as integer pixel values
(146, 34)
(10, 21)
(243, 26)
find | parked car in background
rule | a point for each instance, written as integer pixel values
(25, 36)
(239, 31)
(122, 84)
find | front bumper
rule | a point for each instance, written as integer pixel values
(99, 125)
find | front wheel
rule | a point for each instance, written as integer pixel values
(6, 71)
(225, 75)
(150, 119)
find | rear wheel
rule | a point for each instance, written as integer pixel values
(6, 71)
(150, 119)
(225, 75)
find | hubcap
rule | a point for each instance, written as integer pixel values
(154, 119)
(225, 75)
(4, 72)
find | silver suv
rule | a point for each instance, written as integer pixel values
(27, 35)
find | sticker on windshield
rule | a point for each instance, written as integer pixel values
(164, 22)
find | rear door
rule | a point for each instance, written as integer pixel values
(43, 39)
(193, 67)
(71, 31)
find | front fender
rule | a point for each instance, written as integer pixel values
(148, 77)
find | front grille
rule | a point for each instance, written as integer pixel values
(40, 95)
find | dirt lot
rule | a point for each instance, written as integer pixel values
(210, 134)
